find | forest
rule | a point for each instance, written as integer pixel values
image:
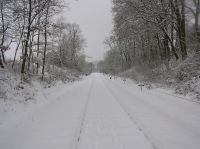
(40, 38)
(155, 41)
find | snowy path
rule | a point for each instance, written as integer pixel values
(99, 113)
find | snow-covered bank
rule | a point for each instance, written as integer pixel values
(55, 112)
(19, 98)
(182, 80)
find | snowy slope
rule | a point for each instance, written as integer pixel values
(102, 113)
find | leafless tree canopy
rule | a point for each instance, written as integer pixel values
(152, 34)
(29, 26)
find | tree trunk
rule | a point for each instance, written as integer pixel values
(180, 16)
(183, 32)
(30, 51)
(38, 41)
(166, 52)
(25, 55)
(38, 50)
(1, 62)
(45, 46)
(2, 59)
(18, 46)
(197, 32)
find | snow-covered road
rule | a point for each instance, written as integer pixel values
(103, 113)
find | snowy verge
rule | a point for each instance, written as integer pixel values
(19, 98)
(167, 83)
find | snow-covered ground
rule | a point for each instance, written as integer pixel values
(18, 98)
(102, 113)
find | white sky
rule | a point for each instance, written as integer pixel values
(95, 20)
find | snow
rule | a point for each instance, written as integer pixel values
(167, 120)
(102, 113)
(45, 121)
(19, 98)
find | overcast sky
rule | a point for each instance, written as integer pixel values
(95, 20)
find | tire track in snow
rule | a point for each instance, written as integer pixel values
(181, 124)
(147, 135)
(77, 137)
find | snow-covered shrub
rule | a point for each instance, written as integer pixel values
(2, 93)
(54, 74)
(181, 76)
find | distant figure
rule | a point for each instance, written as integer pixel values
(124, 80)
(110, 77)
(141, 86)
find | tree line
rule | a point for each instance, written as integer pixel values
(152, 34)
(33, 30)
